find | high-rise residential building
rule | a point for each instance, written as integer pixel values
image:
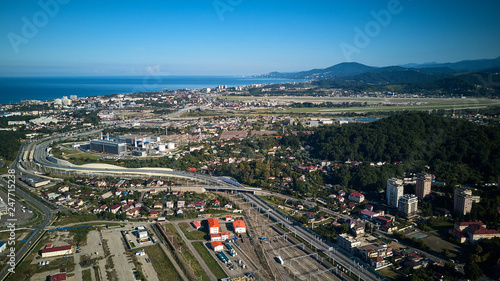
(423, 187)
(462, 200)
(408, 204)
(394, 190)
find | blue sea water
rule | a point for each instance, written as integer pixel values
(15, 89)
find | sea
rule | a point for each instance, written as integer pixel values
(16, 89)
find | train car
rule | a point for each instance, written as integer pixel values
(280, 260)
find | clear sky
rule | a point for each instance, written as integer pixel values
(238, 37)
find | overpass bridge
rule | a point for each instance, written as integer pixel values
(46, 162)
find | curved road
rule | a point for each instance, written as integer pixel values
(47, 213)
(40, 157)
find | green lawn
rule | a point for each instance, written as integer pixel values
(192, 235)
(26, 270)
(162, 265)
(188, 256)
(96, 274)
(373, 104)
(75, 218)
(209, 260)
(86, 275)
(389, 273)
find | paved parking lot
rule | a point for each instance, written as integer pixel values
(23, 215)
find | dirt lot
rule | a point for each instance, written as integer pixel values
(121, 266)
(434, 242)
(147, 268)
(437, 244)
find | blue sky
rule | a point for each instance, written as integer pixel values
(238, 37)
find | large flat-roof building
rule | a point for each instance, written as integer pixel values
(394, 190)
(347, 242)
(58, 277)
(110, 147)
(57, 251)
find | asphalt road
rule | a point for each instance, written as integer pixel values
(40, 157)
(47, 213)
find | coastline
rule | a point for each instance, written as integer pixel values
(17, 89)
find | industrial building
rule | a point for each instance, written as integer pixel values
(217, 246)
(58, 277)
(57, 251)
(110, 147)
(223, 236)
(239, 226)
(35, 181)
(139, 153)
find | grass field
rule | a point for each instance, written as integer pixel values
(162, 265)
(75, 218)
(188, 256)
(86, 275)
(374, 104)
(96, 274)
(192, 235)
(26, 270)
(209, 260)
(389, 273)
(438, 244)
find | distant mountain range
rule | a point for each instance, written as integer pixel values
(464, 78)
(414, 72)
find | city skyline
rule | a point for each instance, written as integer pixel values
(222, 37)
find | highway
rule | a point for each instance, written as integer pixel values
(47, 214)
(340, 258)
(40, 158)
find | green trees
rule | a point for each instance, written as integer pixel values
(473, 271)
(11, 142)
(457, 150)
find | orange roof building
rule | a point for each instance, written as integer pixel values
(213, 226)
(239, 226)
(217, 246)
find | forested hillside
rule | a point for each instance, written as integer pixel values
(10, 144)
(458, 151)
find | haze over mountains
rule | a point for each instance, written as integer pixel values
(479, 78)
(350, 69)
